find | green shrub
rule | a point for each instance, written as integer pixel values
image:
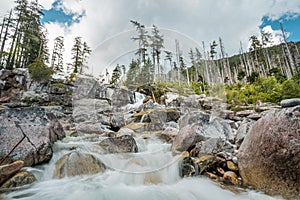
(252, 77)
(39, 71)
(268, 89)
(263, 89)
(198, 88)
(291, 89)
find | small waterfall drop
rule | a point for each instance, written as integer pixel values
(138, 101)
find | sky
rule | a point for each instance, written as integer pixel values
(105, 24)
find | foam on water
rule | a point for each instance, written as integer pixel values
(151, 174)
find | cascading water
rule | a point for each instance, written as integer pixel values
(150, 174)
(138, 101)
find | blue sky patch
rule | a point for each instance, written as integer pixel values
(290, 24)
(57, 14)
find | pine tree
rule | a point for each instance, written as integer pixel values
(132, 73)
(57, 54)
(142, 40)
(116, 75)
(27, 36)
(266, 40)
(255, 45)
(86, 52)
(291, 65)
(4, 30)
(76, 54)
(213, 51)
(172, 70)
(156, 45)
(80, 53)
(191, 54)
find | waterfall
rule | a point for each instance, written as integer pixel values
(138, 101)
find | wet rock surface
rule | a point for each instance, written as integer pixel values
(122, 144)
(76, 163)
(22, 178)
(220, 170)
(8, 170)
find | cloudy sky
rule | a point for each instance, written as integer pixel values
(105, 24)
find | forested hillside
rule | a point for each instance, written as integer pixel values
(24, 44)
(263, 72)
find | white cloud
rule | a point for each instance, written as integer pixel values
(291, 8)
(5, 7)
(201, 20)
(47, 4)
(277, 37)
(72, 6)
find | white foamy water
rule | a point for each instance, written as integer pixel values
(151, 174)
(138, 101)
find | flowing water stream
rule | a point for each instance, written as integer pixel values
(151, 174)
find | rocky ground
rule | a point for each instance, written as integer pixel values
(251, 145)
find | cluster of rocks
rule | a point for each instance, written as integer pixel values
(11, 176)
(17, 89)
(221, 170)
(35, 115)
(208, 146)
(26, 139)
(255, 146)
(252, 145)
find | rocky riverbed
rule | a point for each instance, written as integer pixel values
(86, 136)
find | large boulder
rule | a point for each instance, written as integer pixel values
(213, 146)
(91, 110)
(29, 133)
(290, 102)
(200, 118)
(121, 97)
(158, 118)
(269, 155)
(118, 97)
(91, 128)
(161, 116)
(117, 121)
(198, 126)
(77, 163)
(122, 144)
(85, 87)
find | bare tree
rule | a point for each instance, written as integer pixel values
(289, 55)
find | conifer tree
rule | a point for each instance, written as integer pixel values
(80, 53)
(142, 40)
(57, 54)
(116, 74)
(157, 41)
(132, 73)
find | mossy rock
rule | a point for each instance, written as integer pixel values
(34, 100)
(58, 88)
